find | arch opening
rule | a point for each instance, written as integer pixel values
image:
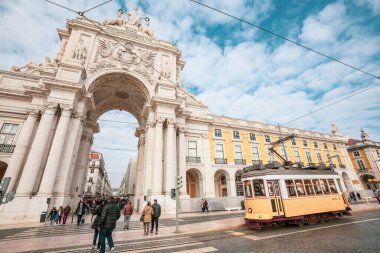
(221, 179)
(194, 183)
(3, 169)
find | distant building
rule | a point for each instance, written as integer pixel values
(365, 157)
(128, 183)
(97, 181)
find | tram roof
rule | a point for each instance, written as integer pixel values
(283, 171)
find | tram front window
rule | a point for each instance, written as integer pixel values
(258, 186)
(248, 190)
(290, 188)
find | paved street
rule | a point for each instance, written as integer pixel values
(358, 233)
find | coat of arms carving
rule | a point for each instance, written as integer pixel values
(112, 54)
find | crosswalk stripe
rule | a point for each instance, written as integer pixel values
(199, 250)
(252, 237)
(236, 233)
(167, 247)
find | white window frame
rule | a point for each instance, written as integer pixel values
(315, 144)
(304, 143)
(254, 137)
(297, 155)
(236, 135)
(8, 137)
(361, 165)
(216, 130)
(216, 151)
(190, 148)
(237, 153)
(308, 157)
(267, 138)
(270, 154)
(356, 153)
(254, 154)
(294, 142)
(319, 156)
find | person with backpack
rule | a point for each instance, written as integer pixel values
(95, 225)
(107, 223)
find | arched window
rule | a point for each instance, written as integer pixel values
(239, 186)
(223, 179)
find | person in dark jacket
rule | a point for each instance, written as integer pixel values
(53, 217)
(80, 211)
(107, 222)
(156, 215)
(359, 196)
(66, 212)
(95, 225)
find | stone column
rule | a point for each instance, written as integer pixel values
(231, 186)
(157, 165)
(83, 165)
(54, 159)
(148, 158)
(182, 159)
(22, 144)
(208, 173)
(140, 165)
(170, 171)
(39, 147)
(69, 156)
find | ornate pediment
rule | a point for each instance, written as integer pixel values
(126, 56)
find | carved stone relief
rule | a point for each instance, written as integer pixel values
(80, 51)
(112, 54)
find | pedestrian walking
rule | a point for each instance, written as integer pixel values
(107, 223)
(352, 196)
(66, 212)
(156, 215)
(60, 214)
(205, 206)
(147, 212)
(95, 225)
(127, 211)
(53, 217)
(203, 209)
(359, 196)
(80, 211)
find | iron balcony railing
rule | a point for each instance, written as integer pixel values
(7, 148)
(240, 162)
(362, 170)
(193, 159)
(220, 161)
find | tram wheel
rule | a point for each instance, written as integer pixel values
(300, 223)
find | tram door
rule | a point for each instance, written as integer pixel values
(276, 199)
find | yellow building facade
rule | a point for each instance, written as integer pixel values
(365, 157)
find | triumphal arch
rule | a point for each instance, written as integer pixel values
(49, 113)
(99, 66)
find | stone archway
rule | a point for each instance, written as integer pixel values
(194, 183)
(221, 179)
(3, 168)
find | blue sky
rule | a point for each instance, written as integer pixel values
(234, 69)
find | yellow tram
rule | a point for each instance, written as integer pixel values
(293, 195)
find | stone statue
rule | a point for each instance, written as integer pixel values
(144, 28)
(165, 72)
(334, 130)
(364, 135)
(178, 78)
(80, 51)
(134, 17)
(118, 21)
(32, 68)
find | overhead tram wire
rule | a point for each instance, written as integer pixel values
(284, 38)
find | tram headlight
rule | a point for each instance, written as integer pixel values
(249, 210)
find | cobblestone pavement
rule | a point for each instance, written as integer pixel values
(357, 233)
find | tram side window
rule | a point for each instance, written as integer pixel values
(270, 188)
(299, 188)
(290, 188)
(332, 186)
(325, 187)
(258, 186)
(248, 190)
(317, 187)
(308, 187)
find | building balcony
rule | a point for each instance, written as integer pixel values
(255, 162)
(7, 148)
(362, 170)
(240, 162)
(322, 165)
(220, 161)
(342, 166)
(311, 164)
(193, 159)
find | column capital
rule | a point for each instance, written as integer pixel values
(50, 107)
(159, 120)
(181, 129)
(65, 110)
(170, 122)
(33, 112)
